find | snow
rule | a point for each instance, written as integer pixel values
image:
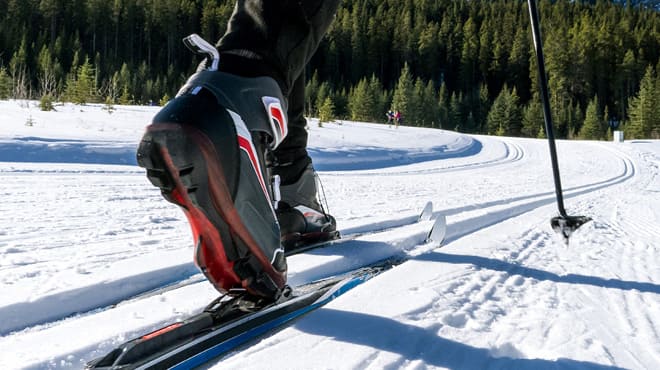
(91, 255)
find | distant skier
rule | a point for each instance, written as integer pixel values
(230, 149)
(397, 118)
(390, 116)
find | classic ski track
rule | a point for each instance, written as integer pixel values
(621, 304)
(198, 278)
(514, 152)
(534, 202)
(194, 279)
(517, 206)
(624, 303)
(641, 226)
(484, 296)
(100, 347)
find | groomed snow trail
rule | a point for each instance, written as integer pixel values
(92, 256)
(506, 292)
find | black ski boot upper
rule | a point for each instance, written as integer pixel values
(208, 151)
(302, 218)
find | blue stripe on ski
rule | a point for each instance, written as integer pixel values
(228, 345)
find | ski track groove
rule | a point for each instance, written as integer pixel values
(185, 280)
(531, 202)
(513, 152)
(368, 362)
(626, 315)
(388, 364)
(414, 238)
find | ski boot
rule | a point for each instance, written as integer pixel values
(302, 219)
(208, 150)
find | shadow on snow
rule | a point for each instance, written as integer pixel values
(46, 150)
(49, 150)
(371, 158)
(515, 269)
(416, 343)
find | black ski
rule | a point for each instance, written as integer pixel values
(232, 321)
(225, 325)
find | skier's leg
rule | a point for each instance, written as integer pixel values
(210, 150)
(283, 39)
(300, 214)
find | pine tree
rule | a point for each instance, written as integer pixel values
(140, 79)
(82, 89)
(379, 98)
(518, 63)
(592, 128)
(326, 111)
(125, 85)
(497, 117)
(125, 98)
(469, 55)
(456, 111)
(643, 108)
(443, 107)
(46, 103)
(415, 115)
(5, 84)
(71, 78)
(533, 119)
(323, 93)
(340, 102)
(311, 91)
(366, 101)
(576, 118)
(429, 50)
(361, 103)
(505, 116)
(430, 111)
(403, 93)
(514, 113)
(164, 100)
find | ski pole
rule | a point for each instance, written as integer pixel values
(564, 223)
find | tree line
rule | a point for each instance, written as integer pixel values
(465, 65)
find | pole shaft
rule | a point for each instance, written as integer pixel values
(547, 114)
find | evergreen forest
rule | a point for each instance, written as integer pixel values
(465, 65)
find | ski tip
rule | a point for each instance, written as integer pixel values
(438, 231)
(427, 212)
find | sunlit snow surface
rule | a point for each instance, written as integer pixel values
(86, 242)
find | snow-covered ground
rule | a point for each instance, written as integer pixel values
(86, 242)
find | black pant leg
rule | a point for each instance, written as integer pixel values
(278, 36)
(291, 155)
(277, 39)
